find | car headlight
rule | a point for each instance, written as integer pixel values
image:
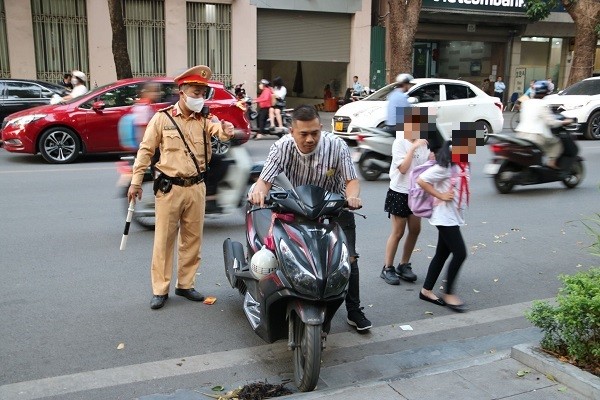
(337, 281)
(302, 279)
(568, 107)
(22, 121)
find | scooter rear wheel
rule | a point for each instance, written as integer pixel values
(307, 354)
(575, 175)
(503, 184)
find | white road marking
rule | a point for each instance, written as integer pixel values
(103, 378)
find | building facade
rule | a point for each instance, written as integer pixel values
(477, 39)
(309, 43)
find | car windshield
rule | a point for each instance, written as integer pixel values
(381, 94)
(583, 88)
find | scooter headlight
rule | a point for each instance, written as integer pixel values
(302, 279)
(338, 280)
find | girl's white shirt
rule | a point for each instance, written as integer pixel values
(447, 213)
(401, 182)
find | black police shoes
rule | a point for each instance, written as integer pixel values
(158, 301)
(189, 294)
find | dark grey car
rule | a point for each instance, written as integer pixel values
(20, 94)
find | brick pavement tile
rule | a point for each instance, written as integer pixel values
(555, 392)
(500, 378)
(441, 386)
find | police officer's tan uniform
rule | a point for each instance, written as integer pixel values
(182, 208)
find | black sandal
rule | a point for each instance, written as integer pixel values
(437, 301)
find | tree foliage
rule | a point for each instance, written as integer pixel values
(586, 16)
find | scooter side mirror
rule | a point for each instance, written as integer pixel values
(413, 100)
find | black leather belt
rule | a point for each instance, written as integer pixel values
(194, 180)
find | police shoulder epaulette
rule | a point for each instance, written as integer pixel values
(166, 108)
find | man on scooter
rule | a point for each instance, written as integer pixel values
(398, 101)
(536, 121)
(306, 156)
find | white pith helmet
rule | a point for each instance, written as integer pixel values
(263, 262)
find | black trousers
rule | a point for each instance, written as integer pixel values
(450, 241)
(217, 170)
(348, 225)
(499, 95)
(261, 120)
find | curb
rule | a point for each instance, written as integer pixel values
(581, 381)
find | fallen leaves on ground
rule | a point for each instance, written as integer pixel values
(252, 391)
(121, 346)
(522, 372)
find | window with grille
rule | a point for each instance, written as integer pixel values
(209, 38)
(60, 38)
(145, 24)
(4, 65)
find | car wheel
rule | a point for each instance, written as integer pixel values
(593, 127)
(59, 145)
(487, 129)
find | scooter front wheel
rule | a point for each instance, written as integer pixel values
(307, 354)
(144, 213)
(365, 167)
(575, 175)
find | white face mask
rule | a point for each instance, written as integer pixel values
(74, 81)
(194, 104)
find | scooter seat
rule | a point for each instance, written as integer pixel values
(513, 139)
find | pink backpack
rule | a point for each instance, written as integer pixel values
(419, 201)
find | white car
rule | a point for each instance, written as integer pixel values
(582, 101)
(456, 101)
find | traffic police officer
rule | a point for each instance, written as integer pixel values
(182, 134)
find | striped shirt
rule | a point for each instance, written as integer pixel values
(329, 166)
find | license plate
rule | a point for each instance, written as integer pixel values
(339, 126)
(356, 155)
(491, 169)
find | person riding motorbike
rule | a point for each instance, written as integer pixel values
(536, 121)
(397, 101)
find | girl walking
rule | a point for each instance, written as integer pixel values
(448, 182)
(408, 151)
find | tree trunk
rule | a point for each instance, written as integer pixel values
(403, 20)
(586, 15)
(119, 40)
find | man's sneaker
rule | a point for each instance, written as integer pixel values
(357, 319)
(404, 271)
(389, 276)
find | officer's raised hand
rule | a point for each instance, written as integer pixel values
(228, 129)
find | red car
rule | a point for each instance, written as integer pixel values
(88, 124)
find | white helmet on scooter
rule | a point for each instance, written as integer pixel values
(263, 262)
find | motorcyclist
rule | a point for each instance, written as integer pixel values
(397, 101)
(536, 121)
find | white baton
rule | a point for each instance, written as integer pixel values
(127, 223)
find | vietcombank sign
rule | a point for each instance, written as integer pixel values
(478, 5)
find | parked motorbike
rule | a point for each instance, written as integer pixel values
(296, 272)
(231, 190)
(375, 147)
(519, 162)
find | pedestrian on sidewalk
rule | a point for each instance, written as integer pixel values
(499, 88)
(409, 150)
(308, 156)
(448, 182)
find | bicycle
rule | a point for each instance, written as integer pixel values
(516, 117)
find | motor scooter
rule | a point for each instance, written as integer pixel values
(518, 161)
(295, 274)
(252, 115)
(375, 147)
(231, 190)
